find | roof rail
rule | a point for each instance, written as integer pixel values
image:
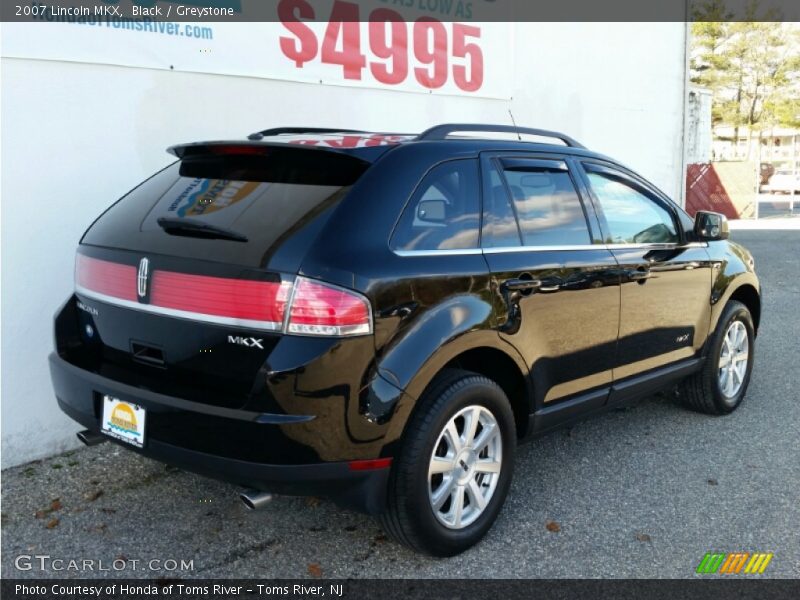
(282, 130)
(440, 132)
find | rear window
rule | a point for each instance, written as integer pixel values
(278, 200)
(252, 208)
(250, 193)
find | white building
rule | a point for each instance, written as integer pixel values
(778, 145)
(88, 110)
(698, 125)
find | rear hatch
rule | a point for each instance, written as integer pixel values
(276, 198)
(183, 286)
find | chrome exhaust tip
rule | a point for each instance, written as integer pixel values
(91, 438)
(255, 499)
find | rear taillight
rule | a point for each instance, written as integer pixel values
(105, 278)
(242, 302)
(321, 309)
(314, 308)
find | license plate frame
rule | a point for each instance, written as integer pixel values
(124, 421)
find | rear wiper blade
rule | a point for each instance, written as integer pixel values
(192, 227)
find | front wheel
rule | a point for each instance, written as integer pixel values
(454, 469)
(719, 388)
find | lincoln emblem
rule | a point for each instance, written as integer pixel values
(141, 280)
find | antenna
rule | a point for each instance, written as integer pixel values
(519, 137)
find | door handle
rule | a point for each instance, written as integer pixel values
(516, 285)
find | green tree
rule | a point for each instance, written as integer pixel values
(752, 67)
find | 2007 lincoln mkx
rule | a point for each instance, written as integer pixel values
(380, 318)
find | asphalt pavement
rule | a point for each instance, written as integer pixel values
(642, 492)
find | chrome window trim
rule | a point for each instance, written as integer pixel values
(657, 246)
(563, 248)
(443, 252)
(180, 314)
(633, 245)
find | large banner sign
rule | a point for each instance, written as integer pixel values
(427, 47)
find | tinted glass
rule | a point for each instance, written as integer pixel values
(280, 201)
(443, 212)
(548, 207)
(631, 217)
(274, 190)
(499, 224)
(257, 209)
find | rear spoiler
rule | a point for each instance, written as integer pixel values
(355, 146)
(222, 147)
(276, 162)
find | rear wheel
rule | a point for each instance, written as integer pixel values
(720, 386)
(453, 473)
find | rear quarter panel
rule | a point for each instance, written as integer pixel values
(427, 309)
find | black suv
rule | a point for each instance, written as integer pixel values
(381, 318)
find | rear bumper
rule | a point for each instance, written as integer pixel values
(79, 393)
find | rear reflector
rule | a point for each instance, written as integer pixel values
(315, 308)
(370, 465)
(106, 278)
(321, 309)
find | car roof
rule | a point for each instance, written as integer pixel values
(370, 145)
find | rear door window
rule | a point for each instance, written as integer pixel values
(500, 228)
(544, 201)
(444, 211)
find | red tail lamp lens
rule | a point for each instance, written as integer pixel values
(237, 299)
(321, 309)
(106, 278)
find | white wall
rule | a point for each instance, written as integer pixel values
(77, 136)
(616, 88)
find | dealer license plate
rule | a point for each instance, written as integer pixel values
(124, 421)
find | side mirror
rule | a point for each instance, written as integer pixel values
(710, 226)
(432, 211)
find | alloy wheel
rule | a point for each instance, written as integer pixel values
(465, 467)
(733, 358)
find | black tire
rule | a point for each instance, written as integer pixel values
(409, 517)
(702, 391)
